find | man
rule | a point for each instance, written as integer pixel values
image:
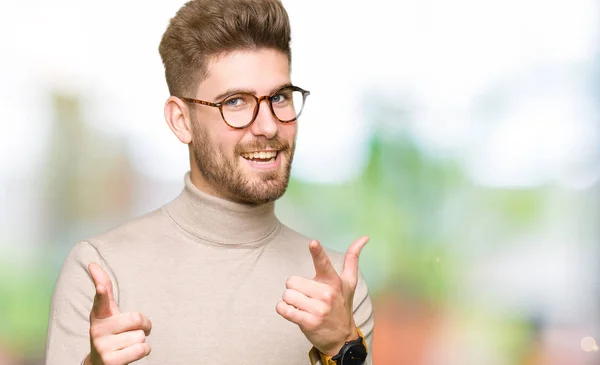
(213, 277)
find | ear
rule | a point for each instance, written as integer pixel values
(178, 119)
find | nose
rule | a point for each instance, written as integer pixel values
(265, 123)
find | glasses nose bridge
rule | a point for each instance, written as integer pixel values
(259, 100)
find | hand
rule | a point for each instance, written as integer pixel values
(116, 338)
(322, 307)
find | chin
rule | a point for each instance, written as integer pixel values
(260, 191)
(270, 193)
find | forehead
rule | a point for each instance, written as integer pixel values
(257, 71)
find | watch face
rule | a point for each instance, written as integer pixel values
(355, 355)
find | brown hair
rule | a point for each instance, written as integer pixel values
(205, 28)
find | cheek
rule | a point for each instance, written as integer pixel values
(222, 138)
(288, 131)
(228, 141)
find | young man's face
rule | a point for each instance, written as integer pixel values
(221, 153)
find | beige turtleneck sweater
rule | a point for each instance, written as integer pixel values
(208, 273)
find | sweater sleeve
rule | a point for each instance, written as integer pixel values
(68, 340)
(363, 316)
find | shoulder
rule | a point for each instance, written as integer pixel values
(298, 243)
(133, 227)
(142, 230)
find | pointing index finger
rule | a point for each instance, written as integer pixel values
(323, 267)
(104, 304)
(101, 308)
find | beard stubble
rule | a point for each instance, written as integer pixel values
(227, 177)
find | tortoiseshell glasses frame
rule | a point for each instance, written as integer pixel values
(258, 100)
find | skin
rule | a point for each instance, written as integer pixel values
(216, 164)
(321, 306)
(115, 338)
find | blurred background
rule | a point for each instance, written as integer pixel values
(462, 136)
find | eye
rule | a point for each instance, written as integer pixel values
(282, 97)
(239, 102)
(235, 101)
(278, 98)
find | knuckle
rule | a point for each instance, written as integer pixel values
(311, 326)
(323, 311)
(319, 312)
(328, 296)
(138, 336)
(138, 351)
(136, 318)
(281, 308)
(287, 295)
(95, 332)
(100, 348)
(291, 312)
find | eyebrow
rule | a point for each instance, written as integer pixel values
(223, 95)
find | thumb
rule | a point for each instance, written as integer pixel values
(104, 302)
(350, 270)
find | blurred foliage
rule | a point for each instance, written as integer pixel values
(395, 201)
(417, 209)
(25, 305)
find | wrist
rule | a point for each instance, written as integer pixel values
(331, 359)
(333, 349)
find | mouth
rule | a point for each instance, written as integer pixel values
(261, 157)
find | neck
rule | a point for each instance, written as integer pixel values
(201, 184)
(216, 220)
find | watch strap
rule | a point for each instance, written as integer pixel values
(328, 360)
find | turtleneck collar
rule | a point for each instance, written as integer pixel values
(222, 222)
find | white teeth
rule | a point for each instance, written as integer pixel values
(272, 160)
(262, 155)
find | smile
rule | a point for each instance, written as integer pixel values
(262, 157)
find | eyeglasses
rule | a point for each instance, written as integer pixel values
(240, 110)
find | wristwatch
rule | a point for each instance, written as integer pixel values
(352, 353)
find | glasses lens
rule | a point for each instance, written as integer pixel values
(287, 104)
(238, 109)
